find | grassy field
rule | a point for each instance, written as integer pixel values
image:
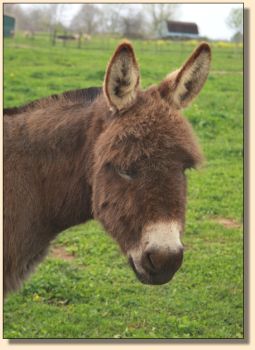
(85, 289)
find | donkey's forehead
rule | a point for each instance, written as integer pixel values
(148, 129)
(149, 114)
(151, 119)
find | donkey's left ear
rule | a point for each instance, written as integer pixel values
(122, 77)
(180, 87)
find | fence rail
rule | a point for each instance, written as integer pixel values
(109, 43)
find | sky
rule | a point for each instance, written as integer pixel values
(210, 18)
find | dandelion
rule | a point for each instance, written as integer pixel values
(36, 297)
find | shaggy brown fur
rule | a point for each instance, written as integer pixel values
(117, 156)
(80, 95)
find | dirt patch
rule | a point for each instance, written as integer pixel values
(61, 253)
(226, 222)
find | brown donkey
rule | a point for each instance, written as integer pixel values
(117, 155)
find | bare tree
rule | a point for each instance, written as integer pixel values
(38, 17)
(133, 24)
(37, 20)
(11, 9)
(16, 11)
(111, 18)
(159, 13)
(87, 20)
(54, 13)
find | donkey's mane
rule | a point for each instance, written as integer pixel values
(77, 96)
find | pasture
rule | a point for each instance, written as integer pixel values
(85, 288)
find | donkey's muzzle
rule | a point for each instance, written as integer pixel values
(157, 266)
(159, 253)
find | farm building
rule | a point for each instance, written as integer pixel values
(9, 26)
(178, 30)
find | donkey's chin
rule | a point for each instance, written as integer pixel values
(149, 277)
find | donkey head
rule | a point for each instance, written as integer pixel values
(139, 183)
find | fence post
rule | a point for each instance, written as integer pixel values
(64, 39)
(79, 40)
(54, 37)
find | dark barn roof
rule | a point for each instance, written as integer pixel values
(182, 27)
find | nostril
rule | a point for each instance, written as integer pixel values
(153, 260)
(156, 260)
(150, 261)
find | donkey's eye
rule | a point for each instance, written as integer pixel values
(129, 174)
(109, 166)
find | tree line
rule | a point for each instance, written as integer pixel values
(129, 20)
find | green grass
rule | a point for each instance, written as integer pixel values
(95, 294)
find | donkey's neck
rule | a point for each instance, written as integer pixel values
(69, 165)
(58, 142)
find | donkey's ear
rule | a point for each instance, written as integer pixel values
(184, 84)
(122, 77)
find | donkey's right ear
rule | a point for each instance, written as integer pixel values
(122, 77)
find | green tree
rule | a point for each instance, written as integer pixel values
(235, 20)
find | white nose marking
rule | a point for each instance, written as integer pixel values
(163, 235)
(160, 235)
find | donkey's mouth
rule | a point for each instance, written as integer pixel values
(150, 278)
(142, 277)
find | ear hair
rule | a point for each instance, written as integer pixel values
(122, 77)
(183, 85)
